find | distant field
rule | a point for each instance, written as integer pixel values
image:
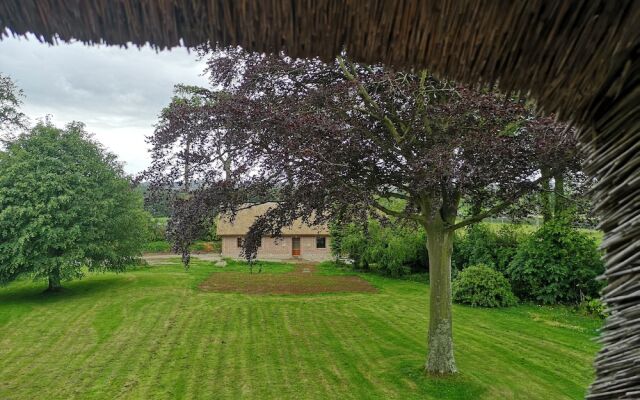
(153, 334)
(596, 234)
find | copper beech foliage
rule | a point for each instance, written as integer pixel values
(342, 141)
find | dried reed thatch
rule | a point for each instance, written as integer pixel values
(578, 58)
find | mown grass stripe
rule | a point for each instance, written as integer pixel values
(166, 339)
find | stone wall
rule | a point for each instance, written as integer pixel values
(280, 248)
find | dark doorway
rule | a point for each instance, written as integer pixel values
(295, 246)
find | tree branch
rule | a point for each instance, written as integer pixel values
(394, 213)
(393, 194)
(368, 100)
(493, 210)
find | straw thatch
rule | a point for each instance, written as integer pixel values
(239, 226)
(578, 58)
(561, 51)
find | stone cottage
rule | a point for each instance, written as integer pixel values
(297, 241)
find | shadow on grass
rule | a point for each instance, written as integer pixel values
(457, 387)
(34, 293)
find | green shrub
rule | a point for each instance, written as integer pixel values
(508, 239)
(158, 229)
(556, 264)
(206, 247)
(158, 246)
(479, 244)
(349, 241)
(391, 250)
(482, 286)
(594, 307)
(210, 234)
(475, 245)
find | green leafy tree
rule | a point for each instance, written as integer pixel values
(556, 264)
(65, 207)
(10, 100)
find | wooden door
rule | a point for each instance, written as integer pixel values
(295, 246)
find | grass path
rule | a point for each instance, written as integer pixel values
(151, 333)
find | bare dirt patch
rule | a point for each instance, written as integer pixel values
(303, 280)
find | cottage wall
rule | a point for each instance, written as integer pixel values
(279, 249)
(308, 250)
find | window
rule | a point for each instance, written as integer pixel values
(321, 243)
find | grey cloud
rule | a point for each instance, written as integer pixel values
(117, 92)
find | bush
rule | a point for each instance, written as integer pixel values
(158, 228)
(556, 264)
(482, 286)
(508, 240)
(594, 307)
(206, 247)
(349, 241)
(480, 244)
(210, 234)
(391, 250)
(158, 246)
(474, 245)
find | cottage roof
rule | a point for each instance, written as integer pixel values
(245, 218)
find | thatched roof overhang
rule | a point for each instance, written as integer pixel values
(580, 59)
(562, 52)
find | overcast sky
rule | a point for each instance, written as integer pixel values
(118, 93)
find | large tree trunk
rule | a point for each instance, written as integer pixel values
(440, 359)
(54, 281)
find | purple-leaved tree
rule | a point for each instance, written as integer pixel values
(348, 141)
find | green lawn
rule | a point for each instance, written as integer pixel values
(151, 334)
(162, 246)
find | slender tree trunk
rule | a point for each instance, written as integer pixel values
(547, 213)
(440, 359)
(558, 191)
(54, 281)
(187, 157)
(226, 166)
